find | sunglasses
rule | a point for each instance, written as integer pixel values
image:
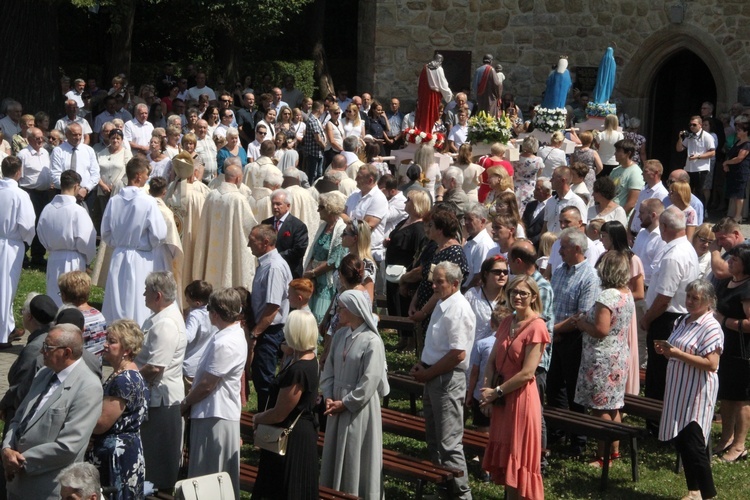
(499, 272)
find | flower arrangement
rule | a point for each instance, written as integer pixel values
(601, 109)
(416, 136)
(549, 120)
(484, 128)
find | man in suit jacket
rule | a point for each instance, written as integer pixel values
(292, 237)
(52, 427)
(533, 215)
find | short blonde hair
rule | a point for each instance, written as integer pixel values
(301, 331)
(75, 287)
(546, 240)
(682, 189)
(498, 149)
(421, 201)
(128, 333)
(557, 137)
(705, 231)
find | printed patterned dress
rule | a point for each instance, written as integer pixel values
(524, 177)
(604, 362)
(118, 453)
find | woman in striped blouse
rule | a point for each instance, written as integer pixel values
(693, 351)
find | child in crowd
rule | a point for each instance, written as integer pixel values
(546, 241)
(300, 291)
(198, 327)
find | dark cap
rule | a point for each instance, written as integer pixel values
(72, 316)
(43, 309)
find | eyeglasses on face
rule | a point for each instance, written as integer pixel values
(49, 348)
(519, 293)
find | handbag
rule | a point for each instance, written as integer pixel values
(272, 438)
(211, 487)
(393, 273)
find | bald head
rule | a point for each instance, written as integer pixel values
(232, 174)
(679, 175)
(338, 162)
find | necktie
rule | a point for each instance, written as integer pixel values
(27, 418)
(277, 225)
(73, 159)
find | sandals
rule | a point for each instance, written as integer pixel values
(598, 462)
(739, 458)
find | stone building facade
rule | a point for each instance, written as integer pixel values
(396, 38)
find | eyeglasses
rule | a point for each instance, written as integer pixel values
(49, 348)
(260, 133)
(705, 240)
(226, 100)
(520, 293)
(692, 125)
(499, 272)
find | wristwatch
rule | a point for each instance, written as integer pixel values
(499, 391)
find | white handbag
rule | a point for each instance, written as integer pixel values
(211, 487)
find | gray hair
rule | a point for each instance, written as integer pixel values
(454, 173)
(672, 218)
(334, 175)
(163, 282)
(452, 271)
(546, 183)
(351, 144)
(705, 290)
(576, 237)
(333, 202)
(141, 106)
(26, 308)
(118, 122)
(477, 210)
(69, 127)
(530, 145)
(82, 477)
(282, 192)
(233, 132)
(176, 119)
(232, 160)
(70, 337)
(273, 178)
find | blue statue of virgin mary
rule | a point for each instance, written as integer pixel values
(605, 78)
(558, 85)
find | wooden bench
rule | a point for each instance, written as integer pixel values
(643, 407)
(597, 428)
(249, 473)
(394, 464)
(402, 381)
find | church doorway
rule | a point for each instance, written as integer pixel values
(680, 86)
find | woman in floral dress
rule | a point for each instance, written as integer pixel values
(525, 172)
(117, 451)
(604, 358)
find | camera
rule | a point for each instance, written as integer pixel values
(686, 134)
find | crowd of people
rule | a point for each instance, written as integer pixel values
(239, 245)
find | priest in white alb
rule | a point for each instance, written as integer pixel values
(186, 196)
(222, 256)
(133, 226)
(67, 232)
(17, 220)
(169, 255)
(261, 202)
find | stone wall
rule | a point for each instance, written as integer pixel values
(528, 36)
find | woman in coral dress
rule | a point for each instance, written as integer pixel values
(515, 445)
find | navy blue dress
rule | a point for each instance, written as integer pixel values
(118, 453)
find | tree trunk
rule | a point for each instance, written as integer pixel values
(29, 58)
(317, 33)
(121, 33)
(228, 55)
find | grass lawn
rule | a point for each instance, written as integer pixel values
(566, 478)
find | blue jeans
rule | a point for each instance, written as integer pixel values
(266, 356)
(314, 167)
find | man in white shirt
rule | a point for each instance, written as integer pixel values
(74, 155)
(10, 124)
(396, 202)
(76, 93)
(66, 230)
(200, 88)
(369, 204)
(36, 180)
(563, 197)
(479, 242)
(654, 188)
(71, 116)
(16, 228)
(648, 244)
(570, 217)
(253, 149)
(110, 113)
(459, 132)
(665, 296)
(205, 147)
(700, 149)
(138, 130)
(442, 368)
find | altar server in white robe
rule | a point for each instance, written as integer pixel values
(222, 256)
(17, 220)
(67, 232)
(134, 227)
